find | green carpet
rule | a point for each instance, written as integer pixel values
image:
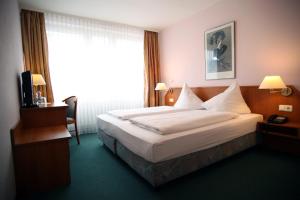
(254, 174)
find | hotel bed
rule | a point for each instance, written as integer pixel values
(161, 158)
(164, 143)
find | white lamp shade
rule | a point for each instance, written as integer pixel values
(161, 86)
(37, 79)
(272, 82)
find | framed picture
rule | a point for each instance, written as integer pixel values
(219, 52)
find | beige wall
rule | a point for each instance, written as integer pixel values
(267, 42)
(11, 62)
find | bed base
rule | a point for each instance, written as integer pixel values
(162, 172)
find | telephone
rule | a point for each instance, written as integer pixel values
(277, 119)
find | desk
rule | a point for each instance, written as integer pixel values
(40, 144)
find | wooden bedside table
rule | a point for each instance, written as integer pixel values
(281, 137)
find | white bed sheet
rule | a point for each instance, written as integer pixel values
(138, 112)
(154, 147)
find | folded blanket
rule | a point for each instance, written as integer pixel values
(181, 121)
(130, 113)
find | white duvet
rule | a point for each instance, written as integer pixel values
(131, 113)
(181, 121)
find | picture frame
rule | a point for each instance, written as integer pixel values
(220, 52)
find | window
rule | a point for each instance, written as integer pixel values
(101, 63)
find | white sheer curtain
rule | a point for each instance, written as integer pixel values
(101, 63)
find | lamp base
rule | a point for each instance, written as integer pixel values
(40, 100)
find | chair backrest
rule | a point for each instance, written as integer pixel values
(72, 109)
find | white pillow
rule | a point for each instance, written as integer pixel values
(231, 100)
(213, 102)
(188, 99)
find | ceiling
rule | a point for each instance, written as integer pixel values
(152, 15)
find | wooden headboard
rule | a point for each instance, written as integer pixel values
(259, 101)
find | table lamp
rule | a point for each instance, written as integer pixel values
(37, 81)
(161, 87)
(275, 84)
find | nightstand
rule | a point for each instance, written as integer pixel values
(281, 137)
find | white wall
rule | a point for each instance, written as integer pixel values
(267, 42)
(11, 62)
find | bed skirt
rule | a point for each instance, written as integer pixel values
(162, 172)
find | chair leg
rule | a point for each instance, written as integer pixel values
(76, 132)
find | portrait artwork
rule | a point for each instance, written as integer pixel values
(219, 52)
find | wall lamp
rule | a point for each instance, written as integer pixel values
(275, 84)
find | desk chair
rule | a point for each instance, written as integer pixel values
(72, 113)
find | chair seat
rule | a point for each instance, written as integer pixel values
(70, 120)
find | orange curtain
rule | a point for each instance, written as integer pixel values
(35, 48)
(152, 76)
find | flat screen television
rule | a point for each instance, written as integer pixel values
(26, 89)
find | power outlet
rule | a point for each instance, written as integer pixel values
(286, 108)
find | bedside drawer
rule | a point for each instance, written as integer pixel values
(281, 143)
(280, 137)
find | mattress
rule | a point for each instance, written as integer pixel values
(155, 148)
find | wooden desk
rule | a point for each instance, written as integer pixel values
(45, 115)
(41, 149)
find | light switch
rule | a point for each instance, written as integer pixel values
(286, 108)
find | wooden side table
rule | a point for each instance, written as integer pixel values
(281, 137)
(41, 149)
